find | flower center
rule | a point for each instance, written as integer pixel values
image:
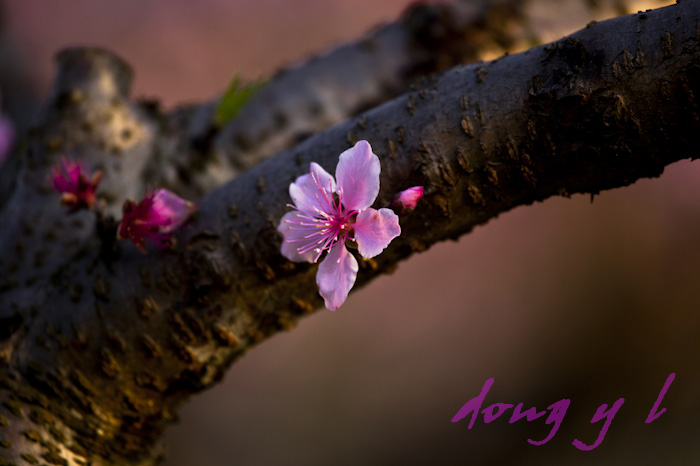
(326, 224)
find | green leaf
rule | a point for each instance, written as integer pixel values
(235, 98)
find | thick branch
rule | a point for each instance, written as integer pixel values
(301, 100)
(613, 103)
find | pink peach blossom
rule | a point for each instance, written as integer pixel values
(405, 201)
(154, 218)
(326, 214)
(74, 181)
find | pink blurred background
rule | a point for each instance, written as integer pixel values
(564, 299)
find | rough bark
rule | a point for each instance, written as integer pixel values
(301, 100)
(100, 344)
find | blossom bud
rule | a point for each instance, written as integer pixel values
(154, 218)
(76, 185)
(405, 201)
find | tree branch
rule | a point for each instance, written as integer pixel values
(302, 100)
(98, 356)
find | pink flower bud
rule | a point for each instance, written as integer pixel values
(73, 180)
(405, 201)
(154, 218)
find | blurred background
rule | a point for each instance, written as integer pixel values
(590, 301)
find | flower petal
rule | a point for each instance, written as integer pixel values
(374, 230)
(170, 206)
(358, 176)
(336, 276)
(66, 175)
(154, 218)
(313, 190)
(405, 201)
(294, 238)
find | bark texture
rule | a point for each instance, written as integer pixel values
(100, 344)
(302, 100)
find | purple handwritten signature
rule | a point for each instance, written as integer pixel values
(557, 411)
